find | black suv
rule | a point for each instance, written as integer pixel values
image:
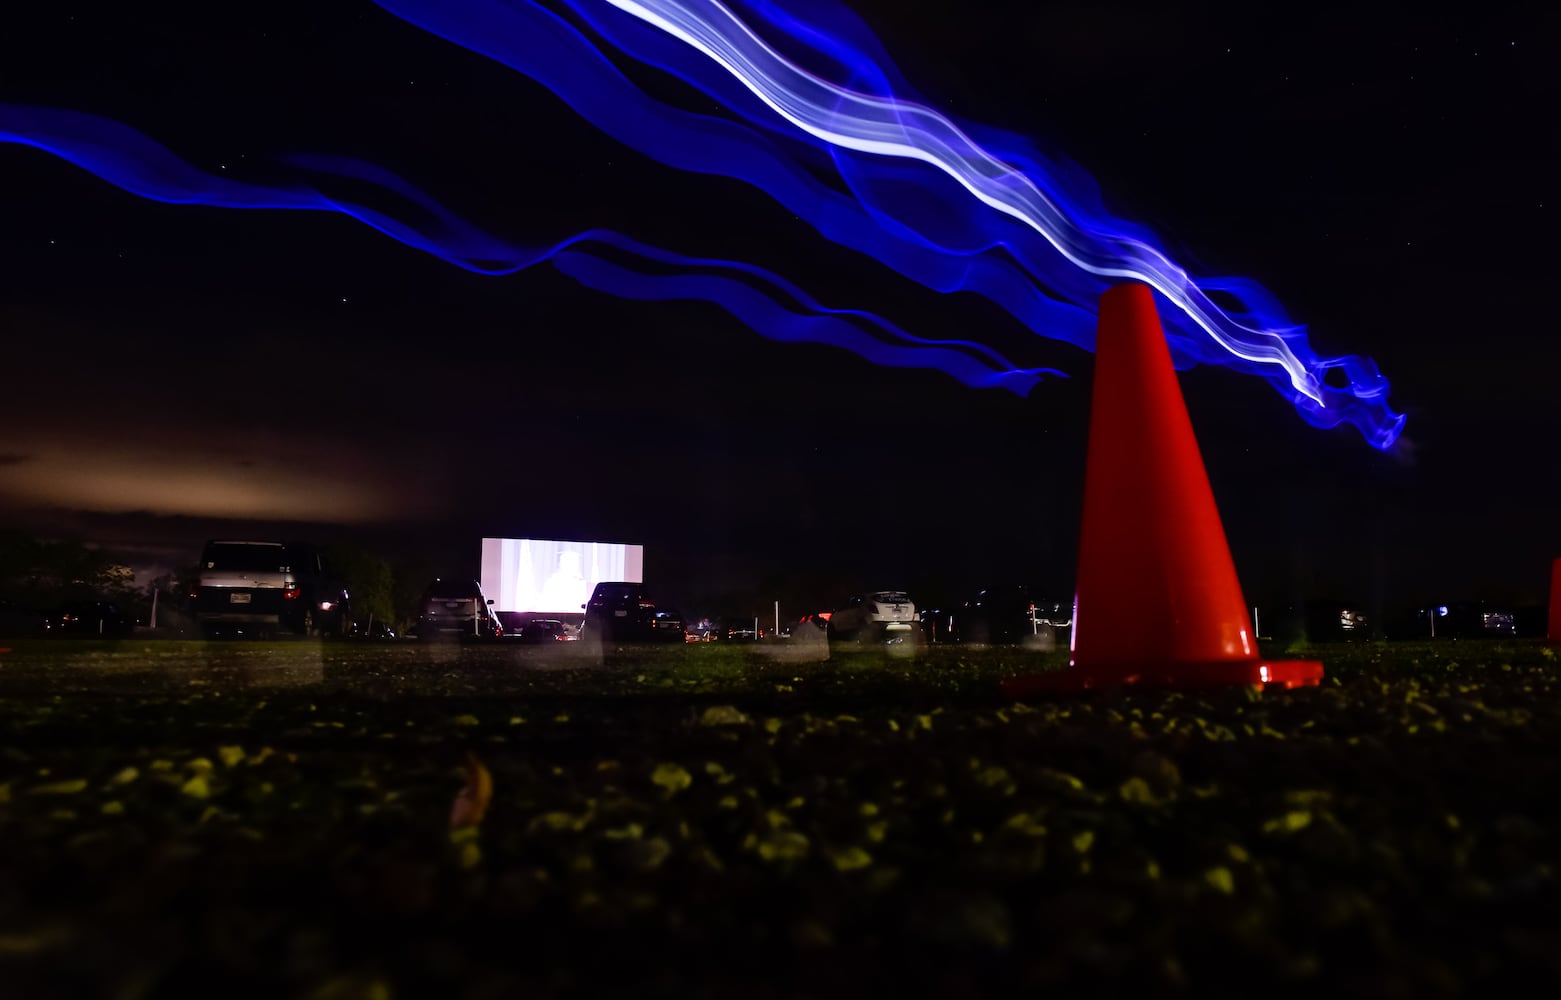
(457, 609)
(260, 588)
(625, 612)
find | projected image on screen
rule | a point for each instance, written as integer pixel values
(530, 574)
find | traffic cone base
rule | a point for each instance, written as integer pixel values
(1158, 603)
(1222, 673)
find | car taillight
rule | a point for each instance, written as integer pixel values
(195, 592)
(291, 592)
(647, 604)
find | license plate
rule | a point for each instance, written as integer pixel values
(238, 597)
(620, 614)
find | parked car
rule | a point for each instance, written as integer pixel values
(620, 611)
(668, 626)
(545, 631)
(1011, 614)
(1319, 620)
(456, 608)
(875, 617)
(255, 587)
(19, 621)
(1467, 620)
(813, 625)
(90, 619)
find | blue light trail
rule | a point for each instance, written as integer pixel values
(761, 299)
(952, 206)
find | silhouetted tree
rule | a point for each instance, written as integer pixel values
(369, 581)
(44, 572)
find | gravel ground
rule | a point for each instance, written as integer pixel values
(714, 821)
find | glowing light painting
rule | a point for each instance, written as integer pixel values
(817, 116)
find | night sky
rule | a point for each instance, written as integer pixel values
(172, 373)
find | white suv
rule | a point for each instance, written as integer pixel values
(875, 617)
(250, 588)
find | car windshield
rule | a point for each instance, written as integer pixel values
(243, 558)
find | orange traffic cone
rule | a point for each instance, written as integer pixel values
(1554, 632)
(1158, 602)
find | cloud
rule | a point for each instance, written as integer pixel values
(286, 478)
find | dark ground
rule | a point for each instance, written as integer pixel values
(273, 819)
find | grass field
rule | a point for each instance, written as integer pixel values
(275, 819)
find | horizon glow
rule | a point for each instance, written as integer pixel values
(951, 206)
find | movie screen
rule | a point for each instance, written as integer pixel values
(530, 574)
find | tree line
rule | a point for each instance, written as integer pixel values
(43, 574)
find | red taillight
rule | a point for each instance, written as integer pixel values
(292, 592)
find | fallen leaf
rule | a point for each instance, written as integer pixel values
(671, 777)
(471, 802)
(60, 787)
(783, 845)
(1290, 822)
(723, 715)
(850, 859)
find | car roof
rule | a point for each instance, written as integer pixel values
(454, 587)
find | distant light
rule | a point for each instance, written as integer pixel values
(1442, 611)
